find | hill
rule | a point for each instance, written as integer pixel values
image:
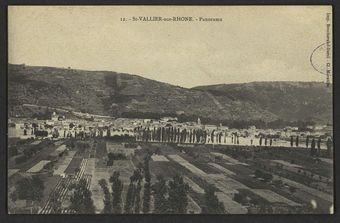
(125, 95)
(286, 100)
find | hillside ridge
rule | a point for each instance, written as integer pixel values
(128, 95)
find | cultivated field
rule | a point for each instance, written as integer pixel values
(245, 179)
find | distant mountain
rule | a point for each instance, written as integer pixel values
(118, 94)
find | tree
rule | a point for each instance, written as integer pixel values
(240, 198)
(267, 177)
(212, 204)
(147, 185)
(291, 141)
(312, 148)
(258, 173)
(133, 193)
(107, 196)
(129, 198)
(278, 183)
(146, 197)
(297, 141)
(55, 204)
(319, 146)
(137, 197)
(329, 147)
(30, 188)
(292, 189)
(178, 199)
(146, 168)
(71, 125)
(37, 188)
(55, 133)
(138, 177)
(212, 136)
(117, 188)
(81, 201)
(160, 190)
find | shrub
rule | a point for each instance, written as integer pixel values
(20, 159)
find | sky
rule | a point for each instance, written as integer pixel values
(263, 43)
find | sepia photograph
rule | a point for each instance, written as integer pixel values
(170, 110)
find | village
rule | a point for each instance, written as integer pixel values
(59, 127)
(246, 170)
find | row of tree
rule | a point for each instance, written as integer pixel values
(170, 197)
(266, 141)
(176, 135)
(315, 145)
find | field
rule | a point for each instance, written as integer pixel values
(159, 158)
(64, 163)
(221, 168)
(43, 154)
(233, 171)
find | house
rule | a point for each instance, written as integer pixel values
(223, 128)
(210, 127)
(199, 121)
(48, 122)
(147, 121)
(328, 130)
(54, 117)
(169, 119)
